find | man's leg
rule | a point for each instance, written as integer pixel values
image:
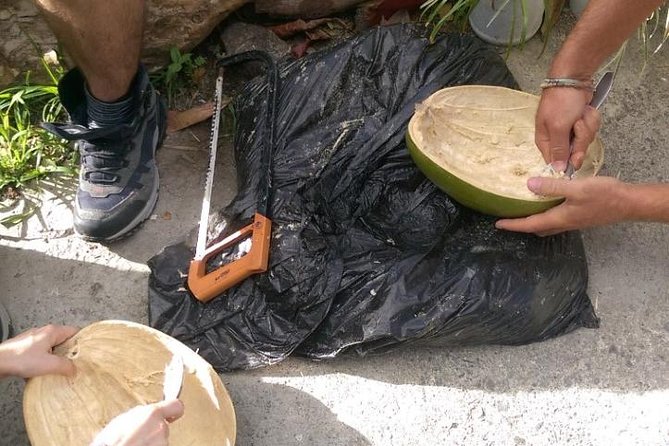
(103, 37)
(118, 118)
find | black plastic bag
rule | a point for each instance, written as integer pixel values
(366, 252)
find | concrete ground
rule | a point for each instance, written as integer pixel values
(608, 386)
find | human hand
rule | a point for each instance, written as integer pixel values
(588, 202)
(561, 110)
(30, 353)
(141, 425)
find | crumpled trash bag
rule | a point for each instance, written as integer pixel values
(366, 252)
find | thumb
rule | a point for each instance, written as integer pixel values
(549, 187)
(170, 410)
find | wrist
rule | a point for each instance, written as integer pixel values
(647, 202)
(626, 197)
(572, 67)
(582, 76)
(568, 82)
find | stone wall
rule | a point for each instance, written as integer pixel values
(181, 23)
(24, 37)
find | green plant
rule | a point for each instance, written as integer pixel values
(181, 73)
(654, 31)
(439, 12)
(28, 152)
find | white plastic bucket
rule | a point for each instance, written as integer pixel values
(498, 31)
(577, 6)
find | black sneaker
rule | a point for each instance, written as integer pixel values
(118, 182)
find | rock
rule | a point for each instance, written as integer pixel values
(20, 26)
(239, 37)
(304, 9)
(180, 23)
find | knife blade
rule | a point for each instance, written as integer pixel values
(599, 95)
(602, 89)
(173, 379)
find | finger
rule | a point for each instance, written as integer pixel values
(542, 140)
(560, 135)
(57, 334)
(548, 187)
(585, 131)
(534, 224)
(592, 119)
(559, 152)
(56, 365)
(515, 225)
(170, 410)
(551, 232)
(577, 160)
(582, 139)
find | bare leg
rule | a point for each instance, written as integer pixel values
(117, 121)
(103, 37)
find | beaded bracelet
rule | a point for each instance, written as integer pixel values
(567, 82)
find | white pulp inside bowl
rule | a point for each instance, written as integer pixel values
(485, 136)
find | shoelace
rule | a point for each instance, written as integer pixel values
(102, 150)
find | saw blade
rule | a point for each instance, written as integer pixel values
(201, 246)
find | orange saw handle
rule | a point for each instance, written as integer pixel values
(205, 286)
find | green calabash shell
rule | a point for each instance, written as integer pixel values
(477, 144)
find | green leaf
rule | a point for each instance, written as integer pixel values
(553, 10)
(462, 6)
(13, 220)
(175, 55)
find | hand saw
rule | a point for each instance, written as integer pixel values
(204, 284)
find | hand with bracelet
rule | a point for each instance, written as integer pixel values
(563, 109)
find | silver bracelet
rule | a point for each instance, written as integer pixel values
(552, 82)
